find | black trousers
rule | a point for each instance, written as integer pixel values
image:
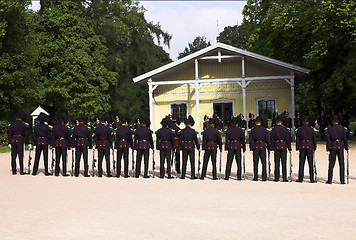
(191, 154)
(177, 154)
(322, 134)
(259, 154)
(105, 151)
(122, 153)
(39, 149)
(78, 153)
(306, 153)
(207, 155)
(230, 158)
(17, 149)
(165, 154)
(332, 160)
(280, 156)
(61, 151)
(145, 153)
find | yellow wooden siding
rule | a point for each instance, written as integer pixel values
(216, 70)
(186, 73)
(258, 69)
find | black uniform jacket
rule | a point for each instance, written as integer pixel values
(336, 138)
(188, 137)
(259, 138)
(176, 142)
(60, 136)
(41, 134)
(18, 133)
(164, 138)
(143, 138)
(306, 138)
(81, 136)
(123, 137)
(280, 138)
(103, 136)
(235, 139)
(211, 139)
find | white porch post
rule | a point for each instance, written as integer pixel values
(292, 100)
(243, 86)
(197, 87)
(151, 88)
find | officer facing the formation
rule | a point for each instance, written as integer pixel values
(188, 138)
(103, 143)
(60, 141)
(306, 145)
(280, 142)
(122, 144)
(234, 142)
(164, 145)
(176, 142)
(41, 138)
(143, 142)
(335, 144)
(82, 140)
(252, 121)
(211, 141)
(18, 136)
(259, 141)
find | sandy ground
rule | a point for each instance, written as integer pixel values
(109, 208)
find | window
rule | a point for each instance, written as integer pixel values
(180, 110)
(266, 107)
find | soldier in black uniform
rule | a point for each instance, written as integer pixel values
(188, 138)
(122, 144)
(143, 142)
(164, 145)
(205, 124)
(82, 140)
(335, 144)
(287, 121)
(274, 119)
(241, 122)
(211, 141)
(234, 142)
(103, 143)
(252, 121)
(60, 141)
(323, 123)
(306, 145)
(117, 123)
(41, 139)
(259, 141)
(280, 142)
(18, 136)
(176, 141)
(298, 120)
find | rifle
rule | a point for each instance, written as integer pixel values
(315, 171)
(93, 164)
(53, 161)
(153, 163)
(29, 161)
(290, 166)
(348, 166)
(243, 165)
(133, 163)
(113, 163)
(220, 166)
(269, 166)
(73, 151)
(199, 164)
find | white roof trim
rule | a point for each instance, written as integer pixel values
(225, 47)
(38, 110)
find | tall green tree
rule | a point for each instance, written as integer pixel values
(198, 43)
(236, 36)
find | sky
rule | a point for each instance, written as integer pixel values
(185, 20)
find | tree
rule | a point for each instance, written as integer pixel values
(235, 36)
(198, 44)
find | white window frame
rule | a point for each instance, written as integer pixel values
(178, 102)
(266, 99)
(223, 100)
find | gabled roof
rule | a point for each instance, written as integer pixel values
(221, 46)
(38, 110)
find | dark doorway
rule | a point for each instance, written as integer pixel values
(224, 111)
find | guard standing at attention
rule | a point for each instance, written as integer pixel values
(82, 140)
(280, 142)
(259, 141)
(122, 144)
(176, 142)
(60, 141)
(143, 142)
(18, 136)
(335, 144)
(41, 138)
(211, 141)
(103, 143)
(234, 142)
(306, 145)
(188, 138)
(164, 145)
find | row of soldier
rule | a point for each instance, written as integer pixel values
(169, 141)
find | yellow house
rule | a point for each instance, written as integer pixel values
(220, 79)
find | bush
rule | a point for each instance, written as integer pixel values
(4, 127)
